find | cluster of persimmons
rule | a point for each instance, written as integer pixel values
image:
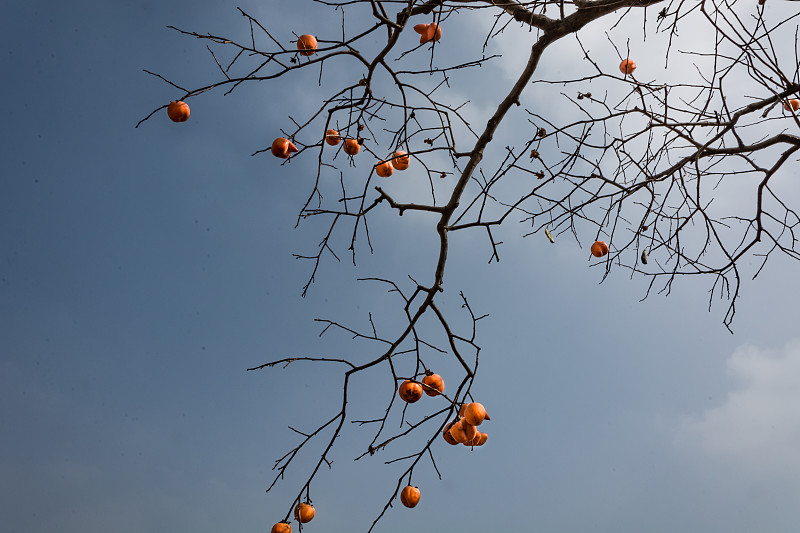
(399, 161)
(462, 430)
(283, 148)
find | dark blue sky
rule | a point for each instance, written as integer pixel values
(143, 270)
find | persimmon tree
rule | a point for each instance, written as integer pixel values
(626, 160)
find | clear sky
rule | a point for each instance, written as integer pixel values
(143, 270)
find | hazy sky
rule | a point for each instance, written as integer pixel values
(143, 270)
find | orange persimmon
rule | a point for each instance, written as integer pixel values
(599, 249)
(401, 160)
(475, 413)
(307, 44)
(283, 148)
(475, 440)
(449, 436)
(351, 146)
(433, 384)
(410, 496)
(304, 512)
(332, 137)
(384, 169)
(178, 111)
(627, 66)
(410, 391)
(462, 431)
(281, 527)
(428, 32)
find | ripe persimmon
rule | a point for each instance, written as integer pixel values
(627, 66)
(307, 44)
(474, 440)
(599, 249)
(332, 137)
(410, 391)
(462, 431)
(428, 32)
(401, 160)
(384, 169)
(483, 439)
(449, 436)
(791, 105)
(410, 496)
(304, 512)
(475, 413)
(178, 111)
(281, 527)
(283, 147)
(351, 146)
(433, 384)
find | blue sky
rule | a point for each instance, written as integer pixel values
(143, 270)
